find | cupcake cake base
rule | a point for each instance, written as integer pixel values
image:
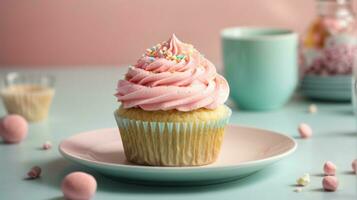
(172, 138)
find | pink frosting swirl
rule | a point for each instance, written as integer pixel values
(172, 75)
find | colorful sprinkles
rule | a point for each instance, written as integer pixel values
(161, 51)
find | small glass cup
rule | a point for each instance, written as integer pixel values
(28, 95)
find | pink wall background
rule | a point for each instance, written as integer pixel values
(116, 32)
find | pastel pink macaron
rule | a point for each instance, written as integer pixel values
(13, 128)
(330, 183)
(330, 168)
(305, 130)
(79, 186)
(354, 166)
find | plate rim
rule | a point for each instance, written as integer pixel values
(101, 164)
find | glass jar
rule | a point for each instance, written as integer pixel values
(330, 42)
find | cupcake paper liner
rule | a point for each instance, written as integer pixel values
(171, 143)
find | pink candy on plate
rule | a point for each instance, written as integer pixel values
(330, 183)
(13, 128)
(305, 130)
(329, 168)
(79, 186)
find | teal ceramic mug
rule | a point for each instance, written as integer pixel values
(260, 65)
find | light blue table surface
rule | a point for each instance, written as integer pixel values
(84, 101)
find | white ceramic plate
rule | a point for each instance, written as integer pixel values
(245, 150)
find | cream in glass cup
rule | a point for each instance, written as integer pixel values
(28, 95)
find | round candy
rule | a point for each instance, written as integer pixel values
(35, 172)
(47, 145)
(330, 168)
(305, 130)
(79, 186)
(312, 108)
(354, 166)
(304, 180)
(330, 183)
(13, 128)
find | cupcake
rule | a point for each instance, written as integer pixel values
(172, 109)
(28, 96)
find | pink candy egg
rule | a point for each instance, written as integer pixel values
(13, 128)
(330, 183)
(330, 168)
(79, 186)
(47, 145)
(305, 130)
(354, 166)
(35, 172)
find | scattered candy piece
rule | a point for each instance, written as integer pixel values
(13, 128)
(79, 185)
(298, 189)
(47, 145)
(35, 172)
(312, 108)
(329, 168)
(354, 166)
(330, 183)
(305, 130)
(304, 180)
